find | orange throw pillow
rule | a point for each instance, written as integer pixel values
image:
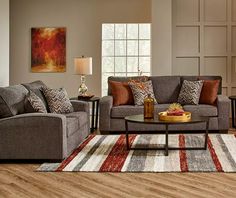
(122, 93)
(209, 92)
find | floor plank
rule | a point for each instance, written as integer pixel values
(21, 180)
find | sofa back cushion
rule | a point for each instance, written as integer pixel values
(121, 79)
(194, 78)
(36, 87)
(12, 100)
(166, 88)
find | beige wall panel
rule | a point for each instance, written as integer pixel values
(187, 40)
(233, 70)
(4, 43)
(186, 66)
(215, 40)
(234, 39)
(216, 66)
(187, 11)
(224, 91)
(215, 10)
(233, 91)
(234, 10)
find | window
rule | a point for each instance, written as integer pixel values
(125, 49)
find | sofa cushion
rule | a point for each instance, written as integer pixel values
(36, 103)
(74, 121)
(122, 93)
(141, 90)
(121, 79)
(166, 88)
(36, 87)
(194, 78)
(190, 92)
(58, 100)
(12, 100)
(202, 109)
(126, 110)
(209, 92)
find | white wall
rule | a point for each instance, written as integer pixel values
(4, 43)
(83, 20)
(161, 37)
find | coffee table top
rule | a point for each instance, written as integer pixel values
(140, 119)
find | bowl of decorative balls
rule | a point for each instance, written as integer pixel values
(175, 113)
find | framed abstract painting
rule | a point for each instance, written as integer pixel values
(48, 49)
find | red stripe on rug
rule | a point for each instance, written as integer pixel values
(182, 154)
(116, 158)
(214, 156)
(75, 152)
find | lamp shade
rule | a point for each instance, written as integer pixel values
(83, 65)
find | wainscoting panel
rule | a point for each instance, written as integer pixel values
(204, 39)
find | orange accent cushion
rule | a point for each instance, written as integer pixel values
(209, 92)
(122, 93)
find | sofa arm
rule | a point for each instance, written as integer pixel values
(223, 105)
(106, 104)
(33, 136)
(80, 105)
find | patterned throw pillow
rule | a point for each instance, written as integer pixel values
(36, 103)
(190, 92)
(58, 100)
(141, 90)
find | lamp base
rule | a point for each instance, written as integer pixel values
(83, 88)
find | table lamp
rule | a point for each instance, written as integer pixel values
(83, 67)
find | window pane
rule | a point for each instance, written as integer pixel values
(120, 64)
(108, 64)
(132, 64)
(120, 48)
(132, 31)
(104, 80)
(108, 31)
(132, 74)
(107, 48)
(144, 48)
(120, 74)
(120, 31)
(144, 31)
(132, 48)
(144, 64)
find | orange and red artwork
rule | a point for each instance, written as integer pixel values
(48, 49)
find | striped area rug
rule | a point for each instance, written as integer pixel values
(107, 153)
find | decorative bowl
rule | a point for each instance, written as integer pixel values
(183, 118)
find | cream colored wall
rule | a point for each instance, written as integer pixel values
(161, 37)
(83, 20)
(4, 43)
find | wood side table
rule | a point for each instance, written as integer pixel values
(233, 102)
(95, 108)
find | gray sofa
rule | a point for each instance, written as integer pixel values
(26, 135)
(166, 90)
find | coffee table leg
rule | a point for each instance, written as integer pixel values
(166, 146)
(127, 134)
(206, 134)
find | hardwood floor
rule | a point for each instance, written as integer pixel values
(21, 180)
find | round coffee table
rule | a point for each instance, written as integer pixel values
(140, 119)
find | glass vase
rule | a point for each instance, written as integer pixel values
(148, 107)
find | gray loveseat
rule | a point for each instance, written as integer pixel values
(25, 135)
(166, 90)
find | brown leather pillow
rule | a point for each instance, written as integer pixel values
(122, 93)
(209, 92)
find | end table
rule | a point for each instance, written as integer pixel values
(95, 106)
(233, 101)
